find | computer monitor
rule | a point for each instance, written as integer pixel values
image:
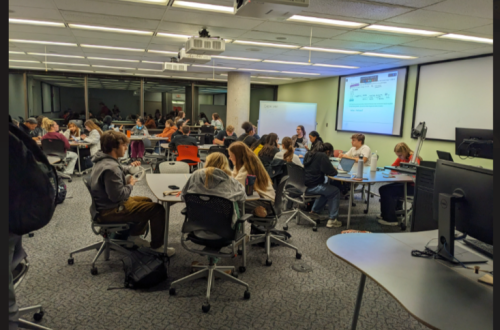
(444, 155)
(207, 129)
(463, 199)
(474, 142)
(301, 152)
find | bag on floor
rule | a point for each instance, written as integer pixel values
(62, 191)
(33, 184)
(144, 269)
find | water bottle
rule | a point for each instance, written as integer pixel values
(373, 162)
(360, 167)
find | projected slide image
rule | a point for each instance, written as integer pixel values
(369, 103)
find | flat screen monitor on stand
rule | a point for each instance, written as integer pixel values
(419, 132)
(463, 199)
(473, 142)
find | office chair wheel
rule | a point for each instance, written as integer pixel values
(38, 316)
(242, 269)
(365, 211)
(71, 261)
(240, 252)
(246, 295)
(31, 234)
(298, 255)
(172, 292)
(205, 308)
(353, 204)
(235, 274)
(93, 271)
(285, 227)
(78, 175)
(403, 226)
(346, 197)
(315, 228)
(269, 263)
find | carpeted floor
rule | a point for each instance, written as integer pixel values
(281, 298)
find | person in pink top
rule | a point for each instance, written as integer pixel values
(53, 134)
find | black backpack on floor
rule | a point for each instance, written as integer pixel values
(144, 268)
(61, 191)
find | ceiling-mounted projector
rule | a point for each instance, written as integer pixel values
(205, 45)
(193, 58)
(174, 66)
(269, 9)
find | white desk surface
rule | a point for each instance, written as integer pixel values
(437, 293)
(202, 147)
(378, 176)
(141, 137)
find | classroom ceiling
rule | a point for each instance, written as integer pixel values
(462, 17)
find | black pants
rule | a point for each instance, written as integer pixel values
(390, 199)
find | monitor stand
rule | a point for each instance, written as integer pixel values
(446, 248)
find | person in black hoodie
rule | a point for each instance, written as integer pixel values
(317, 165)
(266, 154)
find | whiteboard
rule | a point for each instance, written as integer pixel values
(455, 94)
(283, 118)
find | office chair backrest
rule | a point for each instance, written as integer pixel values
(54, 147)
(336, 153)
(174, 167)
(209, 213)
(220, 149)
(188, 153)
(93, 208)
(207, 129)
(296, 177)
(278, 200)
(228, 141)
(147, 143)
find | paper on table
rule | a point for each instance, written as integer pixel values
(171, 192)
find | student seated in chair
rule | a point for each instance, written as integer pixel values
(180, 124)
(28, 127)
(391, 194)
(183, 140)
(52, 129)
(287, 153)
(111, 192)
(358, 148)
(247, 137)
(72, 130)
(170, 129)
(229, 132)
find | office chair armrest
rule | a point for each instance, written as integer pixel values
(244, 218)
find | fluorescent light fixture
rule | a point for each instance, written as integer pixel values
(58, 55)
(237, 58)
(110, 59)
(286, 62)
(404, 57)
(325, 21)
(261, 82)
(280, 78)
(337, 66)
(108, 29)
(73, 70)
(26, 67)
(112, 48)
(151, 75)
(40, 42)
(306, 73)
(395, 29)
(330, 50)
(61, 63)
(150, 62)
(13, 52)
(149, 69)
(467, 38)
(172, 35)
(245, 69)
(111, 67)
(216, 79)
(194, 78)
(33, 22)
(228, 40)
(212, 67)
(26, 61)
(265, 44)
(203, 6)
(161, 52)
(107, 72)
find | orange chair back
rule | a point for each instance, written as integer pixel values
(189, 154)
(336, 153)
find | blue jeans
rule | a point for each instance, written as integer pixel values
(330, 194)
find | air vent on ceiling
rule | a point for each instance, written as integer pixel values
(269, 9)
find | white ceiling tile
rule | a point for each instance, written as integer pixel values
(253, 50)
(48, 4)
(379, 38)
(349, 45)
(298, 29)
(210, 19)
(478, 51)
(127, 9)
(112, 42)
(300, 53)
(272, 37)
(41, 36)
(443, 44)
(172, 43)
(485, 31)
(106, 20)
(440, 20)
(40, 29)
(102, 37)
(408, 3)
(35, 13)
(192, 29)
(354, 9)
(411, 51)
(367, 59)
(477, 8)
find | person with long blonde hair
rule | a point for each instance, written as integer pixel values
(287, 152)
(94, 137)
(52, 129)
(215, 180)
(391, 195)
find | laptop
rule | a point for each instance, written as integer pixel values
(444, 155)
(299, 152)
(346, 164)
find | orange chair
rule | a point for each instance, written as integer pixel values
(336, 153)
(188, 154)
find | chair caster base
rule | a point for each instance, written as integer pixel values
(365, 211)
(298, 255)
(205, 308)
(285, 227)
(315, 228)
(246, 295)
(71, 261)
(269, 263)
(93, 271)
(38, 316)
(242, 269)
(172, 292)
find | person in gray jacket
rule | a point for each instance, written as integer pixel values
(111, 192)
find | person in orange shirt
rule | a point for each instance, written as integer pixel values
(391, 194)
(150, 122)
(170, 128)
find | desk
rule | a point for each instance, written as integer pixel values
(373, 177)
(438, 294)
(158, 183)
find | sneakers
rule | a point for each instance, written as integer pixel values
(137, 240)
(334, 223)
(318, 216)
(170, 250)
(388, 223)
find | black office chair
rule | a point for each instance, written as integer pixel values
(149, 156)
(208, 223)
(105, 230)
(221, 149)
(55, 147)
(207, 129)
(269, 223)
(228, 141)
(296, 193)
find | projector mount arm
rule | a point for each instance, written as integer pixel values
(420, 132)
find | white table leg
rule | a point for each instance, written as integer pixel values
(167, 220)
(351, 198)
